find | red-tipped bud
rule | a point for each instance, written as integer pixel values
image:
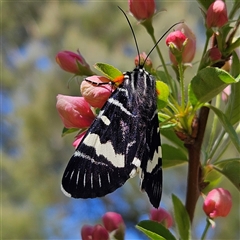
(217, 14)
(226, 93)
(112, 221)
(142, 9)
(96, 95)
(162, 216)
(218, 203)
(86, 232)
(100, 233)
(75, 112)
(73, 63)
(78, 139)
(148, 63)
(182, 44)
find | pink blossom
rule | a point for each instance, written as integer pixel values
(99, 233)
(218, 203)
(95, 95)
(73, 63)
(75, 112)
(162, 216)
(217, 14)
(142, 9)
(86, 232)
(112, 221)
(178, 45)
(78, 139)
(226, 93)
(148, 63)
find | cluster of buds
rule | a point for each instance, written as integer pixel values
(113, 225)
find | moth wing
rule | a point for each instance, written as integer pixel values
(104, 159)
(151, 164)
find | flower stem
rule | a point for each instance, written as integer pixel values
(164, 65)
(181, 78)
(206, 229)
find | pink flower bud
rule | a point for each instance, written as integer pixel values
(226, 93)
(78, 139)
(142, 9)
(181, 42)
(218, 203)
(73, 63)
(95, 95)
(75, 112)
(162, 216)
(112, 221)
(99, 233)
(214, 54)
(148, 63)
(217, 14)
(86, 232)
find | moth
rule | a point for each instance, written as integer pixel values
(124, 140)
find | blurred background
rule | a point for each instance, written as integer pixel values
(34, 154)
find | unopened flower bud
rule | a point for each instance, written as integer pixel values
(148, 62)
(78, 139)
(86, 232)
(218, 203)
(226, 93)
(142, 9)
(112, 221)
(182, 44)
(217, 14)
(99, 233)
(75, 112)
(162, 216)
(73, 63)
(96, 95)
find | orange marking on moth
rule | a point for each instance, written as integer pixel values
(118, 80)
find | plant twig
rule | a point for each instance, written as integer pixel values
(194, 166)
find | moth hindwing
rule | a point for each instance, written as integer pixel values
(124, 139)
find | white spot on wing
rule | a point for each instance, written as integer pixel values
(104, 149)
(105, 120)
(133, 173)
(91, 180)
(136, 162)
(108, 177)
(151, 164)
(100, 181)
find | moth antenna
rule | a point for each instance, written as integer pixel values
(135, 40)
(160, 40)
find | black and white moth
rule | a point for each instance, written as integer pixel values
(122, 141)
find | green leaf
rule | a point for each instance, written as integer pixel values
(181, 218)
(235, 69)
(231, 170)
(66, 131)
(108, 70)
(162, 94)
(227, 126)
(207, 84)
(155, 230)
(172, 156)
(233, 108)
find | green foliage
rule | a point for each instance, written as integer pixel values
(207, 84)
(154, 230)
(181, 218)
(108, 70)
(162, 94)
